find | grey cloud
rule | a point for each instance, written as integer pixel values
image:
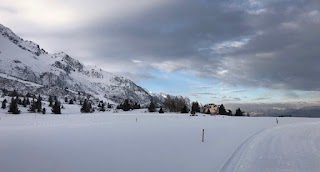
(272, 44)
(262, 98)
(204, 93)
(202, 87)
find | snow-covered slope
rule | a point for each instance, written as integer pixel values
(290, 147)
(151, 142)
(28, 68)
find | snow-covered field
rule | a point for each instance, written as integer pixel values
(141, 142)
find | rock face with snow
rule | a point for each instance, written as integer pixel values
(26, 67)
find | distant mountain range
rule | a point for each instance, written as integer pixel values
(312, 111)
(26, 67)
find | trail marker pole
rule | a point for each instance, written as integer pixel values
(202, 135)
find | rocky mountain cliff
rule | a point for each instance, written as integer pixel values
(26, 67)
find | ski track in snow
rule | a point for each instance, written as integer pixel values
(291, 147)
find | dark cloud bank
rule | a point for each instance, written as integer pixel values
(267, 43)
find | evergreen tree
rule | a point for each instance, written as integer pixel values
(28, 95)
(161, 110)
(33, 106)
(4, 104)
(222, 110)
(239, 112)
(119, 106)
(24, 102)
(39, 104)
(126, 106)
(44, 111)
(56, 109)
(136, 106)
(50, 101)
(195, 107)
(71, 101)
(109, 106)
(184, 109)
(14, 107)
(5, 92)
(18, 100)
(152, 107)
(28, 101)
(85, 107)
(66, 100)
(102, 107)
(89, 105)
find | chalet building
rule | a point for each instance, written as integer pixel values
(214, 109)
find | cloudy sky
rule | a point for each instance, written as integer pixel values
(220, 51)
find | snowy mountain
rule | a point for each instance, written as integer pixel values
(313, 111)
(310, 111)
(26, 67)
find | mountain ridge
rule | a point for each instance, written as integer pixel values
(22, 60)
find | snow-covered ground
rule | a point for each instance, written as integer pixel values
(141, 142)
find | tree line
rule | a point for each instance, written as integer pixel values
(170, 104)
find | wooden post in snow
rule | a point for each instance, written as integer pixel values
(202, 135)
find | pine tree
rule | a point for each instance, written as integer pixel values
(102, 107)
(136, 106)
(5, 92)
(4, 104)
(90, 107)
(24, 102)
(18, 100)
(222, 110)
(71, 101)
(152, 107)
(14, 107)
(195, 107)
(44, 111)
(56, 109)
(66, 100)
(119, 106)
(161, 110)
(38, 104)
(85, 107)
(28, 101)
(239, 112)
(184, 109)
(28, 95)
(33, 106)
(50, 101)
(109, 106)
(126, 106)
